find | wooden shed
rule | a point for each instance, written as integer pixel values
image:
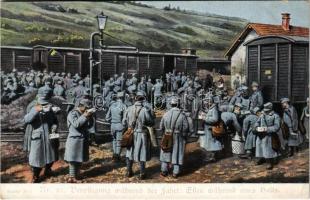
(280, 64)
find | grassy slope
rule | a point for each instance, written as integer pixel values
(150, 29)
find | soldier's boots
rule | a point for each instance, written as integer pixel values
(116, 158)
(142, 176)
(291, 151)
(35, 179)
(164, 174)
(270, 164)
(260, 161)
(129, 173)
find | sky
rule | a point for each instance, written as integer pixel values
(254, 11)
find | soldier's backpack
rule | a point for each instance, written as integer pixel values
(167, 140)
(218, 128)
(127, 138)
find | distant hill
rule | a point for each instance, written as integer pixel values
(148, 28)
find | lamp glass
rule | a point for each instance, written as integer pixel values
(102, 19)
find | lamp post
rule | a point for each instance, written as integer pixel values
(101, 20)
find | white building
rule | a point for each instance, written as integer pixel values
(237, 51)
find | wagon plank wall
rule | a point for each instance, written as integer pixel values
(55, 63)
(23, 60)
(283, 63)
(108, 66)
(253, 64)
(6, 60)
(72, 64)
(299, 69)
(268, 53)
(156, 63)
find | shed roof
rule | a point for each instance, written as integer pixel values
(266, 30)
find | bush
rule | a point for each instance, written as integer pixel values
(35, 28)
(185, 30)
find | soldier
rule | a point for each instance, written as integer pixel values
(80, 122)
(68, 81)
(96, 90)
(122, 81)
(290, 118)
(157, 91)
(87, 81)
(168, 81)
(117, 84)
(42, 151)
(256, 99)
(149, 87)
(80, 90)
(38, 80)
(197, 84)
(59, 90)
(142, 85)
(266, 127)
(115, 115)
(208, 141)
(230, 119)
(56, 78)
(136, 117)
(174, 123)
(248, 132)
(46, 88)
(30, 88)
(305, 121)
(236, 83)
(71, 96)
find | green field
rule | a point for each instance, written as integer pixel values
(148, 28)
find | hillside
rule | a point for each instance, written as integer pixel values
(148, 28)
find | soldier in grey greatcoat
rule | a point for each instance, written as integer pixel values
(137, 117)
(304, 118)
(46, 88)
(230, 119)
(114, 116)
(157, 90)
(266, 126)
(290, 118)
(247, 132)
(180, 126)
(149, 87)
(142, 85)
(208, 141)
(80, 90)
(42, 151)
(59, 90)
(81, 125)
(256, 99)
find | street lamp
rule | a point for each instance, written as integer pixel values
(101, 20)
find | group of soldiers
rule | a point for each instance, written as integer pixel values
(192, 108)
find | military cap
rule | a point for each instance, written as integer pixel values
(268, 106)
(81, 82)
(59, 81)
(86, 102)
(254, 84)
(96, 86)
(255, 110)
(31, 84)
(285, 99)
(63, 73)
(42, 100)
(86, 92)
(120, 94)
(174, 100)
(243, 88)
(308, 99)
(238, 105)
(140, 93)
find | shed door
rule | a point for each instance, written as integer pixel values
(267, 71)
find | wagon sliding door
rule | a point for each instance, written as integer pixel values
(267, 71)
